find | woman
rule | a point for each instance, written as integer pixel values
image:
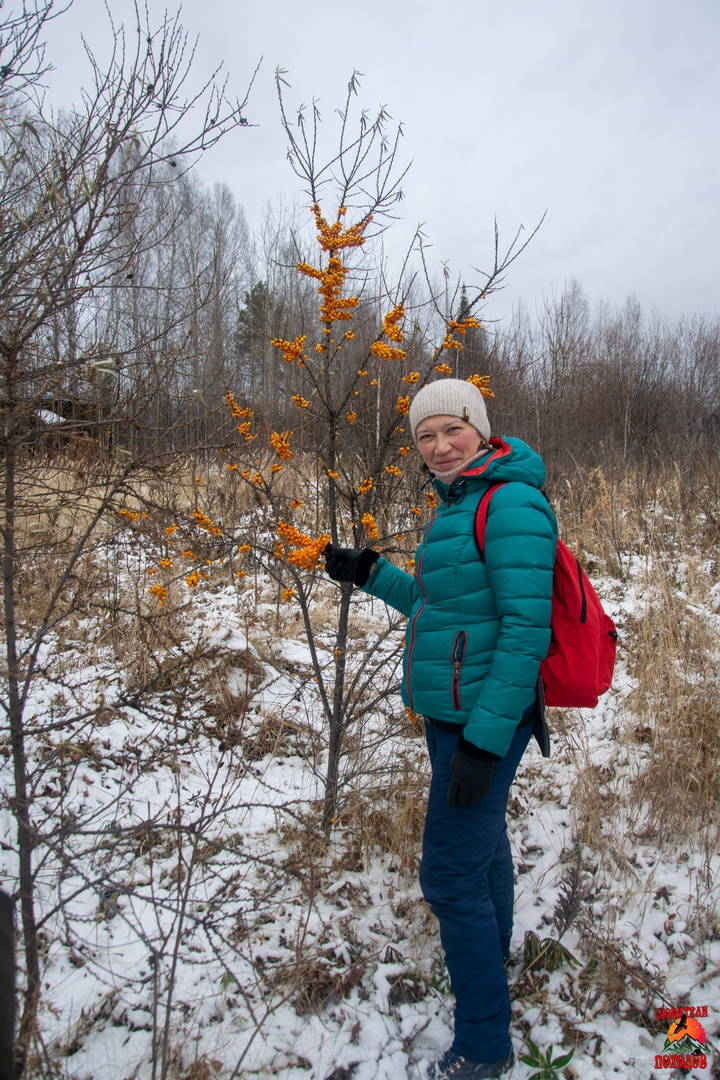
(478, 630)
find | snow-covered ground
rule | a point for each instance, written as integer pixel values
(195, 923)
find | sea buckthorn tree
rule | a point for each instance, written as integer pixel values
(371, 344)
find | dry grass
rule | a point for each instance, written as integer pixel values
(655, 529)
(655, 776)
(647, 531)
(388, 818)
(674, 659)
(659, 777)
(56, 499)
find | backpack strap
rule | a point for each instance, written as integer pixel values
(481, 517)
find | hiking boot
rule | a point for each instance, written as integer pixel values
(451, 1066)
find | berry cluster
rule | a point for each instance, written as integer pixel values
(386, 352)
(204, 522)
(308, 551)
(291, 350)
(371, 526)
(281, 445)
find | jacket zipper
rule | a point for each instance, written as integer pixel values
(419, 611)
(583, 604)
(458, 655)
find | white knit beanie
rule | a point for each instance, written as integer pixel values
(450, 397)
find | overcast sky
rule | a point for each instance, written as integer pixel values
(607, 115)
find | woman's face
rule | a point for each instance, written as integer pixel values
(446, 442)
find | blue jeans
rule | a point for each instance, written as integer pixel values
(467, 877)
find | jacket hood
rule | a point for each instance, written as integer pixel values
(509, 460)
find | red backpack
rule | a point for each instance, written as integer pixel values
(579, 665)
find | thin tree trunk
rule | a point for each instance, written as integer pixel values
(15, 707)
(337, 720)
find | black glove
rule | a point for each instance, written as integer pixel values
(472, 773)
(350, 564)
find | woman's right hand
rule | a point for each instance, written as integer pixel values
(350, 564)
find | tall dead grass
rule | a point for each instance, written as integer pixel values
(647, 540)
(655, 533)
(646, 772)
(649, 534)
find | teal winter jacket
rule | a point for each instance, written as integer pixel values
(478, 630)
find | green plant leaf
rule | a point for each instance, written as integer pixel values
(545, 1062)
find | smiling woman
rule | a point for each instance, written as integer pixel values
(451, 427)
(478, 629)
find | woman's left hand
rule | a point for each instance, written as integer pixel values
(472, 774)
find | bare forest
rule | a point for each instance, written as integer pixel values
(212, 797)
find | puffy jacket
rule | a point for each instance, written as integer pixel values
(478, 630)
